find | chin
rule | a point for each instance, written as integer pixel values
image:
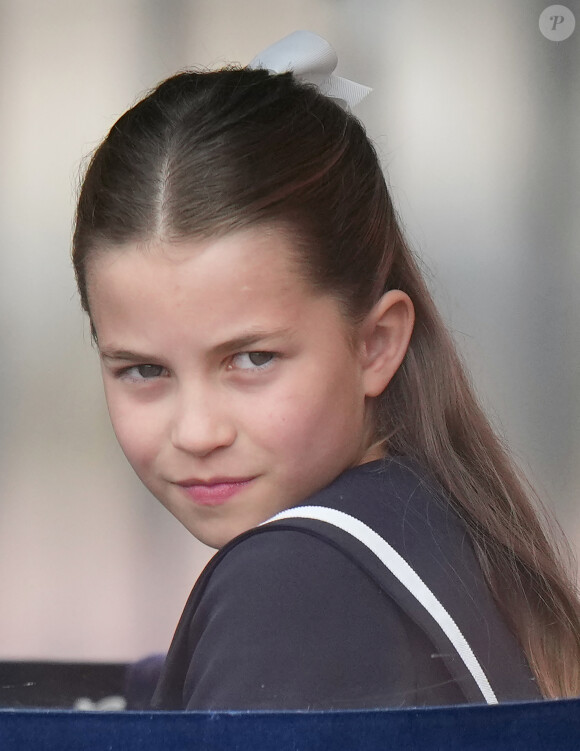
(215, 538)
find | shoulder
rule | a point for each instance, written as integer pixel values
(284, 619)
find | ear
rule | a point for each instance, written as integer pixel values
(384, 338)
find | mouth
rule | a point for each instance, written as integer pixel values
(216, 491)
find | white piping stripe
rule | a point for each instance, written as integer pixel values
(405, 574)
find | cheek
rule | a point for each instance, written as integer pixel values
(308, 423)
(137, 431)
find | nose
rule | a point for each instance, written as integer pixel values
(202, 421)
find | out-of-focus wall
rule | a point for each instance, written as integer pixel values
(476, 116)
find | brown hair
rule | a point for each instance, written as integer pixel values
(208, 153)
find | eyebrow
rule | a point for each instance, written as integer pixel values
(249, 339)
(121, 354)
(231, 345)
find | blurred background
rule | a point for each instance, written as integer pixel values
(476, 116)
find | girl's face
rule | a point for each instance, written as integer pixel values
(235, 389)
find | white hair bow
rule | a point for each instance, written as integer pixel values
(313, 60)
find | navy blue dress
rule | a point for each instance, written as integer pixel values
(298, 614)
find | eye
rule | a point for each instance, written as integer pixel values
(142, 372)
(252, 360)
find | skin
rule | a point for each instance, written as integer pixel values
(234, 388)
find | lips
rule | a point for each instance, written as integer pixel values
(216, 491)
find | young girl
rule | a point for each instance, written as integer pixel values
(268, 345)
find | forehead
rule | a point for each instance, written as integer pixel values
(250, 277)
(258, 254)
